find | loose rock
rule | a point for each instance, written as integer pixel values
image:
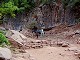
(5, 53)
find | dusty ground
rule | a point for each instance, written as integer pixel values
(52, 53)
(55, 53)
(47, 53)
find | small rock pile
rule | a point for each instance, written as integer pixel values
(42, 43)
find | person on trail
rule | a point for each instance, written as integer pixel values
(42, 32)
(34, 30)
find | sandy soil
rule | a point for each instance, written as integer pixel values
(52, 53)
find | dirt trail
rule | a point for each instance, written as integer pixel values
(52, 53)
(66, 34)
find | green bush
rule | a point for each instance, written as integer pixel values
(3, 39)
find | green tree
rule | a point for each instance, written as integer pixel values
(8, 9)
(24, 5)
(3, 39)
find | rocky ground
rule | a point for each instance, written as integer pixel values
(49, 53)
(60, 43)
(70, 50)
(52, 53)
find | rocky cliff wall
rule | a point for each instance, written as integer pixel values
(47, 16)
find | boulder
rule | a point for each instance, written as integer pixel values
(77, 32)
(76, 54)
(59, 43)
(5, 53)
(16, 36)
(44, 42)
(65, 45)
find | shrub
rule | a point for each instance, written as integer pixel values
(3, 39)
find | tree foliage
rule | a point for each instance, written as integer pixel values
(23, 5)
(3, 39)
(9, 7)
